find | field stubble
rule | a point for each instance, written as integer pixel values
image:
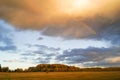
(61, 76)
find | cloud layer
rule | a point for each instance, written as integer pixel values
(6, 38)
(92, 56)
(71, 19)
(43, 54)
(50, 16)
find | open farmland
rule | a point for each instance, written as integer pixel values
(61, 76)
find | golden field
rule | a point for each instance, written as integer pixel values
(61, 76)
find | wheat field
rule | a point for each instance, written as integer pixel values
(61, 76)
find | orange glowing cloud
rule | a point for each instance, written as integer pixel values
(67, 16)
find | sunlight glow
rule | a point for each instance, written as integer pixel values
(72, 6)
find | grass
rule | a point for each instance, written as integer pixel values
(61, 76)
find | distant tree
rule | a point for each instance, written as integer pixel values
(57, 68)
(19, 70)
(0, 67)
(5, 69)
(32, 69)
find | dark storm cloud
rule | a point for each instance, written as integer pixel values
(76, 56)
(108, 29)
(113, 34)
(5, 38)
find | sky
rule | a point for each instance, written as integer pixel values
(84, 33)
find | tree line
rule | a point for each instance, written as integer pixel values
(57, 68)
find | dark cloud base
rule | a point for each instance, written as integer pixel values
(6, 38)
(90, 56)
